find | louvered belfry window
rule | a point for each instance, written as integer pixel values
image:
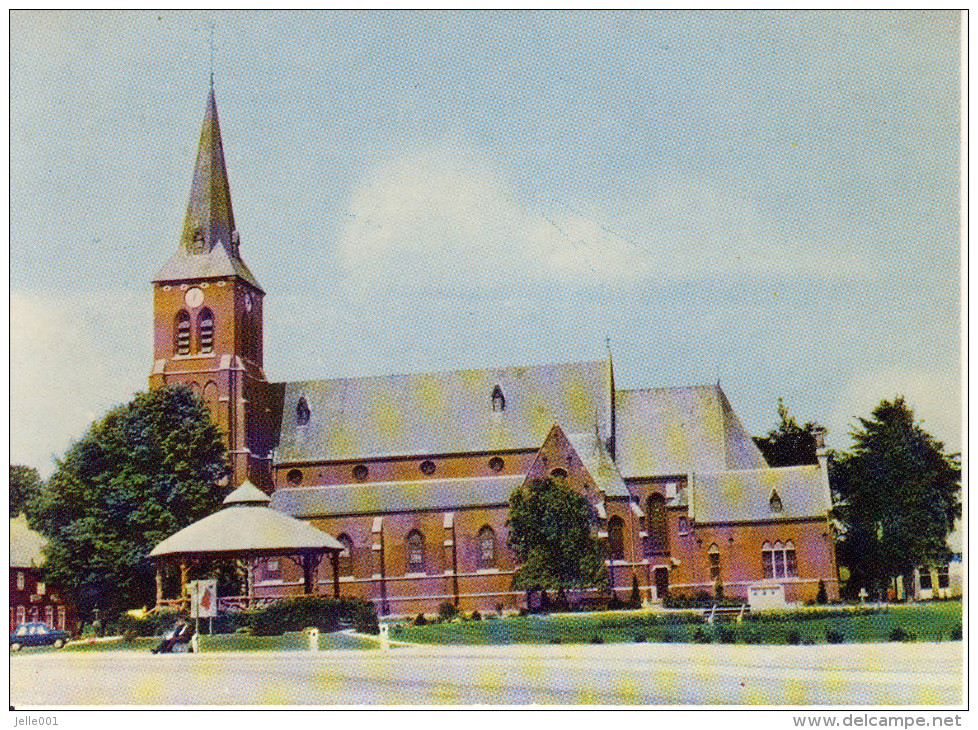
(205, 330)
(182, 339)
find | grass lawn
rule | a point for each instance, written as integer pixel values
(294, 641)
(927, 621)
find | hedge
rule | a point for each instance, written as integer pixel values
(326, 614)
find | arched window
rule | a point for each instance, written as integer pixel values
(205, 330)
(294, 477)
(658, 526)
(181, 333)
(195, 389)
(210, 397)
(302, 412)
(415, 552)
(346, 554)
(779, 561)
(775, 502)
(487, 547)
(616, 538)
(21, 615)
(713, 554)
(498, 400)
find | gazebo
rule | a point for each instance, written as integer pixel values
(247, 529)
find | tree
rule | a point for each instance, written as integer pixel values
(25, 484)
(897, 496)
(550, 532)
(146, 470)
(789, 444)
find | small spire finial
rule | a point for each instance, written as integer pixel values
(212, 56)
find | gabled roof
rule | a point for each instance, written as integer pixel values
(441, 413)
(26, 545)
(674, 431)
(209, 242)
(382, 497)
(745, 495)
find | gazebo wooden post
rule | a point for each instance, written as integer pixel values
(307, 573)
(335, 560)
(159, 583)
(183, 578)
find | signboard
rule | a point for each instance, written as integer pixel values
(203, 598)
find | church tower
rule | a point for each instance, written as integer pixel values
(207, 310)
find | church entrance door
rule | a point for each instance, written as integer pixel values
(661, 582)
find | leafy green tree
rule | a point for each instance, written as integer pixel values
(25, 484)
(550, 532)
(144, 471)
(789, 444)
(897, 494)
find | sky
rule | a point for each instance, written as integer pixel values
(767, 199)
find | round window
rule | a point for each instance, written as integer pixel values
(558, 474)
(294, 477)
(360, 472)
(427, 467)
(496, 464)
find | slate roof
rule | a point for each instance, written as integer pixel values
(210, 217)
(25, 544)
(745, 495)
(381, 497)
(674, 431)
(245, 526)
(599, 464)
(443, 412)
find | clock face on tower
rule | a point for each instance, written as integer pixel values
(194, 297)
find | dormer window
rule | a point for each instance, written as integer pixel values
(498, 400)
(775, 502)
(302, 412)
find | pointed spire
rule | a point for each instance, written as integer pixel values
(210, 221)
(209, 243)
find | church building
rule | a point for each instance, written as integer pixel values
(413, 473)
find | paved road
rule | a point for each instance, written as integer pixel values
(610, 674)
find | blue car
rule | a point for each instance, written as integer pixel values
(37, 634)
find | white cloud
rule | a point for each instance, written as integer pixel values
(934, 395)
(445, 216)
(71, 359)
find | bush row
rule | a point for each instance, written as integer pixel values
(290, 614)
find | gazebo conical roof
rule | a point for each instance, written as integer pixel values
(246, 527)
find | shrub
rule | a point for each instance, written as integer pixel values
(326, 614)
(555, 640)
(476, 616)
(420, 620)
(597, 639)
(899, 634)
(822, 597)
(834, 637)
(155, 624)
(639, 638)
(701, 637)
(636, 598)
(499, 609)
(794, 638)
(726, 635)
(447, 611)
(957, 633)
